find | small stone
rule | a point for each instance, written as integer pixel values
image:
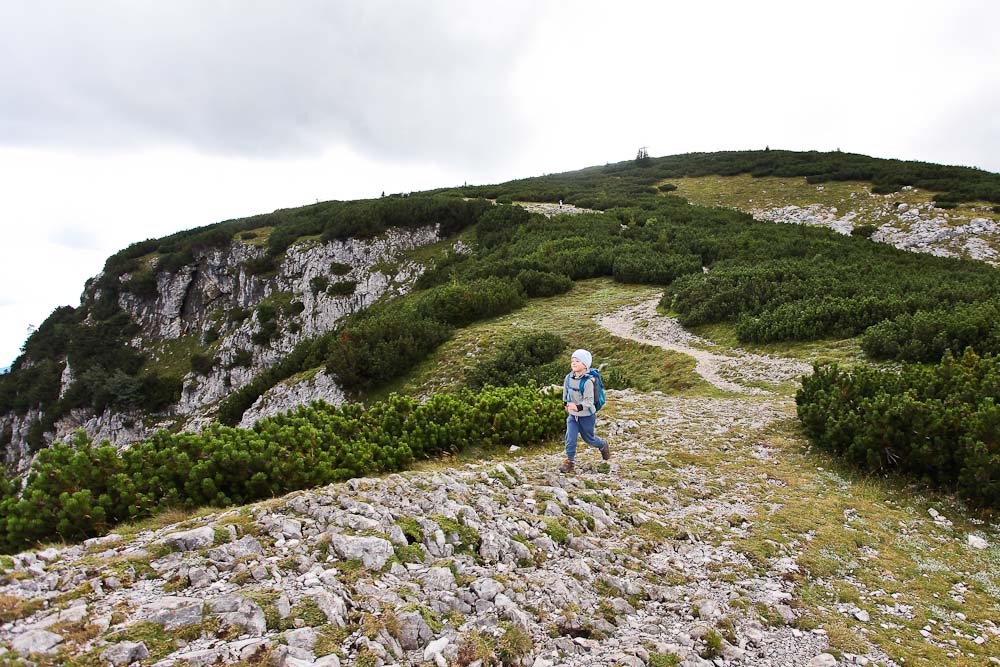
(435, 648)
(439, 579)
(862, 616)
(373, 552)
(125, 653)
(36, 641)
(190, 540)
(397, 536)
(413, 630)
(486, 589)
(977, 542)
(822, 660)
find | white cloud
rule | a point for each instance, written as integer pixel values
(122, 121)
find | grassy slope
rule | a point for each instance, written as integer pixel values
(570, 316)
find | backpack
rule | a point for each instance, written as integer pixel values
(599, 399)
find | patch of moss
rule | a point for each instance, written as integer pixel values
(713, 645)
(469, 538)
(663, 660)
(157, 641)
(329, 637)
(411, 528)
(555, 530)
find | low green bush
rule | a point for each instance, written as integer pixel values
(527, 359)
(319, 284)
(342, 288)
(142, 284)
(78, 490)
(371, 350)
(926, 335)
(939, 424)
(543, 283)
(202, 363)
(641, 265)
(461, 303)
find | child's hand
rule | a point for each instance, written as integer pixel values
(571, 407)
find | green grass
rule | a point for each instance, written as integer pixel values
(570, 315)
(745, 192)
(890, 545)
(260, 240)
(845, 352)
(173, 356)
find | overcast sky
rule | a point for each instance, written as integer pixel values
(132, 119)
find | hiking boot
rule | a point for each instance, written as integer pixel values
(605, 451)
(567, 466)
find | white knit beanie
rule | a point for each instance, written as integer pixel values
(583, 357)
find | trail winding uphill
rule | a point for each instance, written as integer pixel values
(737, 373)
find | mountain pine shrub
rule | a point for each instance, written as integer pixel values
(523, 360)
(925, 335)
(543, 283)
(79, 490)
(938, 424)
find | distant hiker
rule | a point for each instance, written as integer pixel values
(582, 398)
(560, 203)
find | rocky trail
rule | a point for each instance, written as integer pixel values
(640, 562)
(737, 372)
(597, 568)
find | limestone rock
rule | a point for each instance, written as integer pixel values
(414, 631)
(125, 653)
(190, 540)
(373, 552)
(239, 612)
(36, 641)
(823, 660)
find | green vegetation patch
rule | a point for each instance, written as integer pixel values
(79, 490)
(938, 423)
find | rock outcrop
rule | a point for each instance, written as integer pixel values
(213, 299)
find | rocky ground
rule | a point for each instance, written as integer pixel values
(589, 568)
(582, 569)
(641, 562)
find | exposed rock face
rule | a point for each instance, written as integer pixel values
(918, 228)
(209, 297)
(286, 395)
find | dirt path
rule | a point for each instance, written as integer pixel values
(737, 373)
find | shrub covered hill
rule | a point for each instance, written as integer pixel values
(188, 377)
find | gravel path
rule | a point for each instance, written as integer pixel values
(736, 373)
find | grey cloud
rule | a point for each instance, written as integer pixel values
(390, 80)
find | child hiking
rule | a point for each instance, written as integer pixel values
(583, 396)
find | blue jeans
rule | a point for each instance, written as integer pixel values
(582, 426)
